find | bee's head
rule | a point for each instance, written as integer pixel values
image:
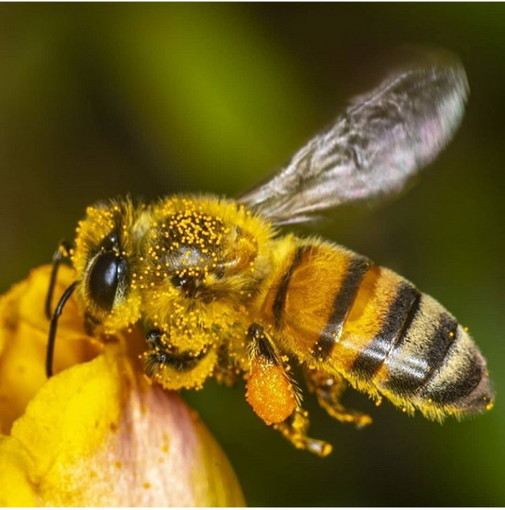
(104, 259)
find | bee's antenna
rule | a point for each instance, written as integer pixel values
(62, 252)
(53, 327)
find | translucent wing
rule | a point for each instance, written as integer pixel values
(373, 149)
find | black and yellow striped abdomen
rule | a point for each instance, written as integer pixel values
(334, 309)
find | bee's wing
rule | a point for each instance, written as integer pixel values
(373, 149)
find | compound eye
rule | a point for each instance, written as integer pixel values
(104, 279)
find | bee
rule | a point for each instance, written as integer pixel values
(221, 292)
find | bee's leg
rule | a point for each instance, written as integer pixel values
(294, 429)
(328, 389)
(274, 396)
(270, 391)
(227, 371)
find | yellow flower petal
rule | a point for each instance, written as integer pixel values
(23, 339)
(16, 489)
(98, 434)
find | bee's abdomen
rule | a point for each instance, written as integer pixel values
(417, 355)
(341, 312)
(312, 295)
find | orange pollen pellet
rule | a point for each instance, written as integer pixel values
(269, 392)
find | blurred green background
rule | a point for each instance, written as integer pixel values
(101, 100)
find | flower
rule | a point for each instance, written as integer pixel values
(97, 433)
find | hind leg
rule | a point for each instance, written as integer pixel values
(273, 394)
(294, 429)
(329, 390)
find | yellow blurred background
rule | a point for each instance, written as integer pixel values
(100, 100)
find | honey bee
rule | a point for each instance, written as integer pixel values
(220, 292)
